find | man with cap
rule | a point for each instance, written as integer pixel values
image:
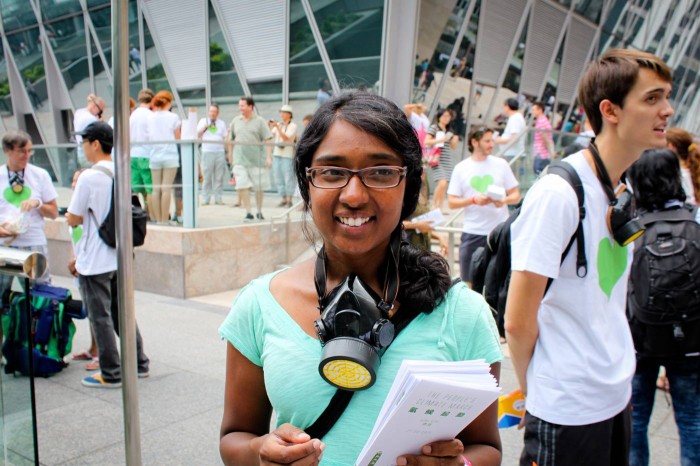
(284, 135)
(95, 261)
(212, 130)
(28, 196)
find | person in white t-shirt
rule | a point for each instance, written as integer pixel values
(95, 261)
(28, 196)
(163, 125)
(571, 344)
(212, 129)
(483, 185)
(514, 127)
(141, 181)
(84, 116)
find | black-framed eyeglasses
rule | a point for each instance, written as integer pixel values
(382, 177)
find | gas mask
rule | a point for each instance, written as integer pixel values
(621, 218)
(354, 327)
(622, 213)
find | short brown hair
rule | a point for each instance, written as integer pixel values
(611, 76)
(15, 139)
(477, 133)
(145, 96)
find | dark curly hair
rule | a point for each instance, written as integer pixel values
(656, 179)
(424, 276)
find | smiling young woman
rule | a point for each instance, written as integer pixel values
(358, 166)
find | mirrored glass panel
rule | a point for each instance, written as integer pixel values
(17, 14)
(5, 101)
(308, 82)
(225, 84)
(352, 36)
(51, 9)
(27, 53)
(67, 40)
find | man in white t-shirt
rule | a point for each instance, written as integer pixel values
(83, 117)
(95, 261)
(28, 196)
(212, 129)
(571, 346)
(514, 127)
(484, 186)
(141, 181)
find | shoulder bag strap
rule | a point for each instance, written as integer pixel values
(107, 172)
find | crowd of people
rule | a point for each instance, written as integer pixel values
(362, 167)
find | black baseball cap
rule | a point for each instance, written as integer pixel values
(97, 131)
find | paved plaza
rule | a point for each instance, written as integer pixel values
(182, 401)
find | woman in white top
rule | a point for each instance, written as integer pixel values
(163, 125)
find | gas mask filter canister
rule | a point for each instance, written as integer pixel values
(354, 327)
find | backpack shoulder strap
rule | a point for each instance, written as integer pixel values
(566, 171)
(104, 170)
(109, 173)
(686, 213)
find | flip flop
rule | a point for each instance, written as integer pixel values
(93, 365)
(84, 356)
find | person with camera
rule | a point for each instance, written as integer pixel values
(358, 166)
(212, 130)
(284, 134)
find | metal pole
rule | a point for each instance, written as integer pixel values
(122, 182)
(142, 46)
(30, 341)
(285, 69)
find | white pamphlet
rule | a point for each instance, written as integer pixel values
(434, 216)
(428, 401)
(497, 193)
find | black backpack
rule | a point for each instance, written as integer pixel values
(663, 299)
(108, 228)
(490, 266)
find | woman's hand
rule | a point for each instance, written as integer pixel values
(290, 445)
(442, 453)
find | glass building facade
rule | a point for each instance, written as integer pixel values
(56, 52)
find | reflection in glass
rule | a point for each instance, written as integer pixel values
(57, 8)
(224, 79)
(352, 36)
(26, 48)
(307, 76)
(591, 9)
(67, 39)
(17, 14)
(5, 101)
(102, 21)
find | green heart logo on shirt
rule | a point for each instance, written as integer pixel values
(14, 198)
(76, 233)
(481, 183)
(213, 129)
(612, 262)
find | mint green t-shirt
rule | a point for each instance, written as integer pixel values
(254, 130)
(460, 328)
